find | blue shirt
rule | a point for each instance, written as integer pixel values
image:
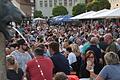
(111, 72)
(21, 58)
(61, 63)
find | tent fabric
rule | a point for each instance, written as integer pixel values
(92, 16)
(81, 15)
(105, 13)
(66, 18)
(115, 13)
(41, 19)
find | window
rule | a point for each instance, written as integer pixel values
(50, 3)
(60, 2)
(65, 2)
(55, 2)
(41, 3)
(46, 4)
(75, 1)
(70, 2)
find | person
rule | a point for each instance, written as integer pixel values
(108, 38)
(21, 55)
(13, 72)
(71, 58)
(42, 46)
(76, 51)
(39, 68)
(97, 54)
(61, 63)
(60, 76)
(112, 70)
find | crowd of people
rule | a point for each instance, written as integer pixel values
(88, 50)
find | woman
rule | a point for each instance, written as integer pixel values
(13, 72)
(89, 57)
(112, 70)
(71, 58)
(76, 51)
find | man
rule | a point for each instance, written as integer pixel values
(108, 39)
(39, 68)
(97, 54)
(21, 55)
(61, 63)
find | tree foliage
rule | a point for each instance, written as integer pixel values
(38, 14)
(78, 9)
(97, 5)
(59, 10)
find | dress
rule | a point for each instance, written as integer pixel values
(46, 66)
(111, 72)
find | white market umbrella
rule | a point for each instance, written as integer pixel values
(40, 19)
(81, 15)
(92, 16)
(115, 13)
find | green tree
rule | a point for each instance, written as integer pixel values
(78, 9)
(38, 14)
(97, 5)
(59, 10)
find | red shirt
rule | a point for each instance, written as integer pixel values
(34, 71)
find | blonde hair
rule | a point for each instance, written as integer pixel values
(111, 58)
(75, 49)
(60, 76)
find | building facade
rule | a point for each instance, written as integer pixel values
(24, 6)
(115, 4)
(46, 6)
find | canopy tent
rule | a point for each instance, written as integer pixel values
(91, 16)
(38, 19)
(115, 13)
(66, 18)
(81, 15)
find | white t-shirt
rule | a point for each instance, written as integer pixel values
(72, 58)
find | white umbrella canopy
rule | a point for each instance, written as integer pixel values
(81, 15)
(115, 13)
(92, 16)
(40, 19)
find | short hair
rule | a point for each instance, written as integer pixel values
(10, 59)
(60, 76)
(111, 58)
(54, 46)
(20, 42)
(109, 35)
(38, 51)
(94, 40)
(42, 46)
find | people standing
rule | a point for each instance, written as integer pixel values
(61, 63)
(40, 67)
